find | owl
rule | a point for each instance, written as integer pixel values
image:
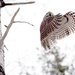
(54, 27)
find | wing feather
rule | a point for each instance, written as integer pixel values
(68, 27)
(48, 26)
(45, 28)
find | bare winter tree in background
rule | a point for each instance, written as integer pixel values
(2, 38)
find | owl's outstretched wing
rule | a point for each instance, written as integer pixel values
(68, 26)
(56, 27)
(48, 26)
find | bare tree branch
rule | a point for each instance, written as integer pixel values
(23, 22)
(3, 4)
(20, 3)
(8, 27)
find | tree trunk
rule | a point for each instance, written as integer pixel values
(2, 70)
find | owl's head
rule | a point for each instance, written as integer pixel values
(48, 14)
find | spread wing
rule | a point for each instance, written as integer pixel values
(67, 25)
(47, 27)
(56, 27)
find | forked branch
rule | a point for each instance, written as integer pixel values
(12, 20)
(8, 27)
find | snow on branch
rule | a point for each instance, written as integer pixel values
(8, 27)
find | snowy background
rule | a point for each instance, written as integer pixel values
(23, 40)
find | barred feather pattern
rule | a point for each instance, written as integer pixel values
(56, 27)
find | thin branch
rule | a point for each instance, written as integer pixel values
(23, 22)
(20, 3)
(5, 47)
(3, 4)
(8, 27)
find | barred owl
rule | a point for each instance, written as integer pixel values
(55, 27)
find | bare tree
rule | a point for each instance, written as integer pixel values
(2, 38)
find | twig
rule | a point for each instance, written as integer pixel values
(5, 47)
(8, 27)
(23, 22)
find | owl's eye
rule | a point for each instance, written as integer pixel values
(49, 14)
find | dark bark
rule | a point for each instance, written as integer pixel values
(2, 70)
